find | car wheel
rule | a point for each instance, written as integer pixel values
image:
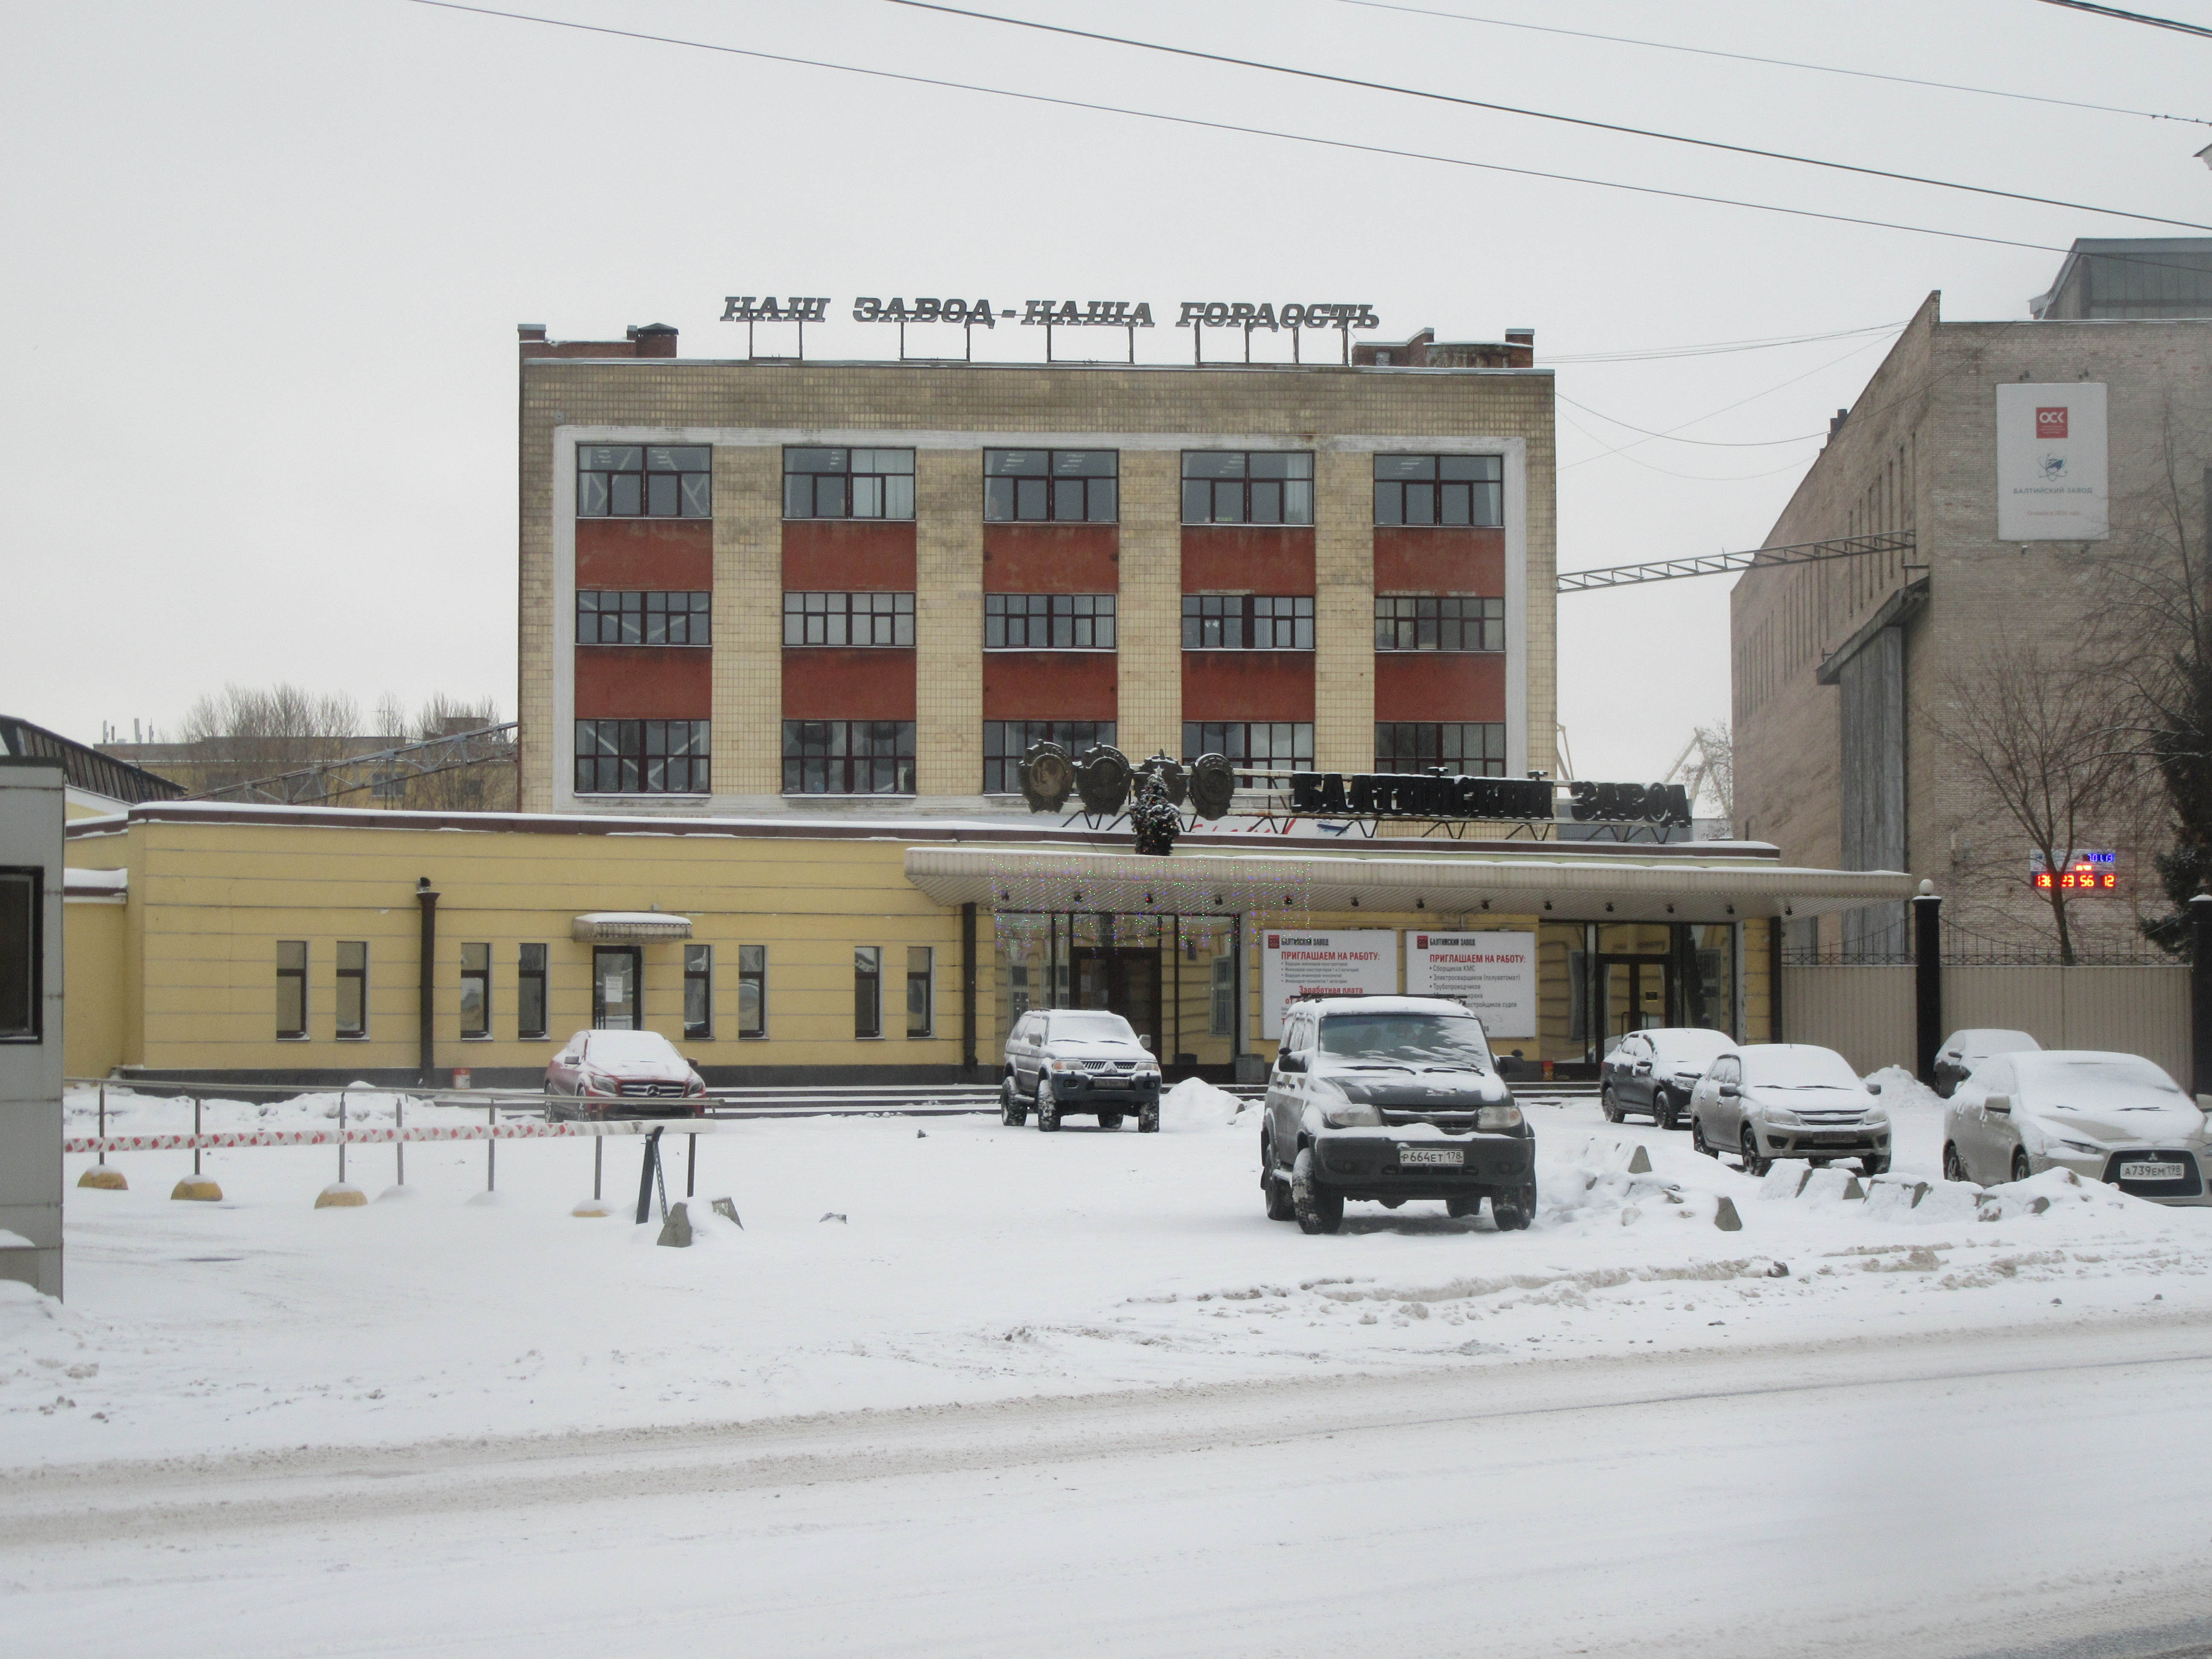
(1461, 1205)
(1874, 1166)
(1605, 1103)
(1110, 1120)
(1148, 1118)
(1048, 1107)
(1513, 1211)
(1955, 1167)
(1277, 1190)
(1317, 1209)
(2021, 1171)
(1664, 1113)
(1011, 1112)
(1753, 1164)
(1697, 1141)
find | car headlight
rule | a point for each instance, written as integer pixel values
(1064, 1065)
(1351, 1114)
(1498, 1117)
(1782, 1117)
(2088, 1147)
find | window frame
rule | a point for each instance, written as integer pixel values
(357, 977)
(1247, 620)
(901, 758)
(1054, 489)
(699, 971)
(926, 981)
(27, 951)
(899, 614)
(1057, 610)
(695, 760)
(480, 973)
(298, 976)
(530, 979)
(1217, 487)
(890, 497)
(1484, 479)
(694, 489)
(697, 616)
(1301, 741)
(1396, 764)
(1009, 762)
(1221, 998)
(752, 975)
(1403, 621)
(868, 992)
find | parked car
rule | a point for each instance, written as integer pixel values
(1764, 1101)
(1962, 1049)
(1655, 1070)
(2115, 1118)
(1388, 1098)
(624, 1074)
(1079, 1059)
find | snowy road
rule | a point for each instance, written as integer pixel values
(1923, 1497)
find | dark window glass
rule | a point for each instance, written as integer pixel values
(1261, 745)
(1440, 489)
(848, 757)
(1474, 749)
(847, 484)
(920, 1005)
(1063, 485)
(1049, 622)
(699, 991)
(22, 964)
(353, 987)
(606, 617)
(641, 758)
(530, 991)
(1246, 621)
(653, 480)
(848, 619)
(1246, 487)
(1004, 743)
(867, 990)
(752, 990)
(1439, 622)
(476, 990)
(291, 988)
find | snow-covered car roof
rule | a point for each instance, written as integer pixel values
(1685, 1041)
(2084, 1077)
(1796, 1065)
(1980, 1041)
(630, 1045)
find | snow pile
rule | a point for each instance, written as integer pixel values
(2058, 1191)
(1194, 1106)
(130, 1113)
(1589, 1183)
(1900, 1089)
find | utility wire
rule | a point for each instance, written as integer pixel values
(1777, 63)
(1702, 443)
(1269, 132)
(1718, 347)
(2132, 16)
(1535, 114)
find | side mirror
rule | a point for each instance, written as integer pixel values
(2204, 1103)
(1996, 1103)
(1290, 1062)
(1727, 1091)
(1873, 1088)
(1644, 1068)
(1146, 1043)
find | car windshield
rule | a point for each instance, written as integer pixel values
(1791, 1066)
(1093, 1028)
(1452, 1041)
(2113, 1081)
(636, 1046)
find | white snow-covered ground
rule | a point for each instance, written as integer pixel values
(970, 1262)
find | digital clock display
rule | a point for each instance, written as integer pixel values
(2079, 876)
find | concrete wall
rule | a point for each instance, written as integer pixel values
(32, 813)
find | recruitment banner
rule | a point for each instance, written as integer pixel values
(2050, 462)
(1364, 962)
(1494, 975)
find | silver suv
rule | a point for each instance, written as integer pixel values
(1079, 1059)
(1390, 1098)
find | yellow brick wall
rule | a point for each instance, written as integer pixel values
(748, 713)
(1344, 610)
(1149, 612)
(948, 621)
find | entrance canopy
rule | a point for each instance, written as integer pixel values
(1614, 883)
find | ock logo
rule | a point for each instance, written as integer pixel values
(2050, 422)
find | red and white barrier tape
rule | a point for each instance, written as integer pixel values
(371, 1136)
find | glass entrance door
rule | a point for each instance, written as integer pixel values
(1125, 980)
(617, 977)
(1638, 994)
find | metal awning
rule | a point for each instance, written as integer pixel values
(629, 927)
(1580, 889)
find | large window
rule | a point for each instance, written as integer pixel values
(848, 757)
(1049, 622)
(1221, 1009)
(476, 990)
(1246, 621)
(605, 618)
(22, 994)
(641, 758)
(1065, 485)
(530, 991)
(699, 992)
(849, 483)
(1004, 743)
(292, 988)
(919, 1003)
(1439, 622)
(1235, 486)
(867, 990)
(633, 481)
(752, 990)
(353, 987)
(848, 619)
(1286, 745)
(1474, 749)
(1448, 489)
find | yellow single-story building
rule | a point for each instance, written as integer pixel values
(311, 944)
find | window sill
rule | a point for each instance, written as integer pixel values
(1240, 524)
(350, 1036)
(1438, 650)
(1255, 650)
(639, 794)
(1049, 650)
(1439, 526)
(644, 645)
(292, 1036)
(877, 1037)
(823, 645)
(827, 794)
(477, 1036)
(752, 1037)
(847, 518)
(658, 518)
(1057, 524)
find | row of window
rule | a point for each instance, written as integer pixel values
(1078, 486)
(1062, 621)
(876, 758)
(641, 758)
(478, 994)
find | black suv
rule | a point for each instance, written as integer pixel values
(1390, 1098)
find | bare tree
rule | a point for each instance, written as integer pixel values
(1712, 771)
(244, 732)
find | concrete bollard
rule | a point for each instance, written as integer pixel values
(725, 1207)
(106, 1177)
(1725, 1217)
(340, 1196)
(1639, 1161)
(199, 1189)
(676, 1231)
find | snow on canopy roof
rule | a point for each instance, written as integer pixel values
(629, 918)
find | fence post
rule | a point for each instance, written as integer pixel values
(342, 1136)
(103, 1122)
(491, 1150)
(1927, 979)
(691, 1167)
(648, 1168)
(2200, 993)
(196, 1134)
(598, 1151)
(399, 1138)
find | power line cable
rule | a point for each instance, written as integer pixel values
(1269, 132)
(1777, 63)
(1653, 353)
(1704, 443)
(1653, 466)
(1535, 114)
(2132, 16)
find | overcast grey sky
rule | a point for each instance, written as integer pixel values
(266, 257)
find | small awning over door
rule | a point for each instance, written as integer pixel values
(629, 928)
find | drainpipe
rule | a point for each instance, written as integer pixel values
(1774, 978)
(1927, 979)
(967, 991)
(426, 975)
(2200, 993)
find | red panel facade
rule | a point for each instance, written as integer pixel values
(644, 682)
(1227, 558)
(671, 554)
(1051, 558)
(1049, 685)
(1248, 685)
(848, 683)
(848, 555)
(1439, 685)
(1411, 560)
